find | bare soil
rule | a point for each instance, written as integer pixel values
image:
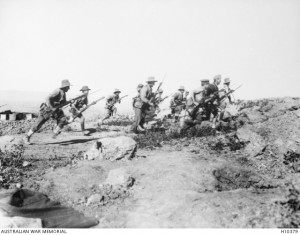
(245, 175)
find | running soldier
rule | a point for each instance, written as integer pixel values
(142, 105)
(110, 105)
(176, 104)
(49, 110)
(78, 106)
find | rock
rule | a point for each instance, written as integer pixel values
(119, 177)
(94, 199)
(25, 163)
(255, 142)
(116, 148)
(19, 222)
(93, 152)
(256, 117)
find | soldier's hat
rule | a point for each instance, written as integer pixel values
(140, 86)
(151, 79)
(117, 91)
(226, 80)
(181, 88)
(204, 80)
(65, 83)
(85, 88)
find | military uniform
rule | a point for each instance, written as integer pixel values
(55, 99)
(110, 109)
(176, 103)
(142, 106)
(211, 107)
(77, 106)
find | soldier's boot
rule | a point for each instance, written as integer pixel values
(28, 136)
(141, 129)
(56, 132)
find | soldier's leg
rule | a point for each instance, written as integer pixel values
(215, 113)
(108, 114)
(137, 119)
(35, 127)
(61, 122)
(114, 112)
(82, 123)
(177, 113)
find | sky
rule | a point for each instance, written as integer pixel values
(112, 44)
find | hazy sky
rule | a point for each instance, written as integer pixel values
(119, 43)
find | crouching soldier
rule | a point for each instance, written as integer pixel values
(110, 105)
(142, 105)
(195, 115)
(49, 110)
(176, 104)
(77, 106)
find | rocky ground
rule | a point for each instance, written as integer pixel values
(245, 175)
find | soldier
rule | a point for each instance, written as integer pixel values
(110, 102)
(78, 106)
(55, 99)
(196, 97)
(176, 104)
(143, 105)
(228, 99)
(212, 91)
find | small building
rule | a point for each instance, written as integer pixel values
(16, 115)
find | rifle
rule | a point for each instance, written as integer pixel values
(48, 111)
(211, 99)
(2, 105)
(160, 84)
(86, 107)
(123, 97)
(88, 94)
(158, 88)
